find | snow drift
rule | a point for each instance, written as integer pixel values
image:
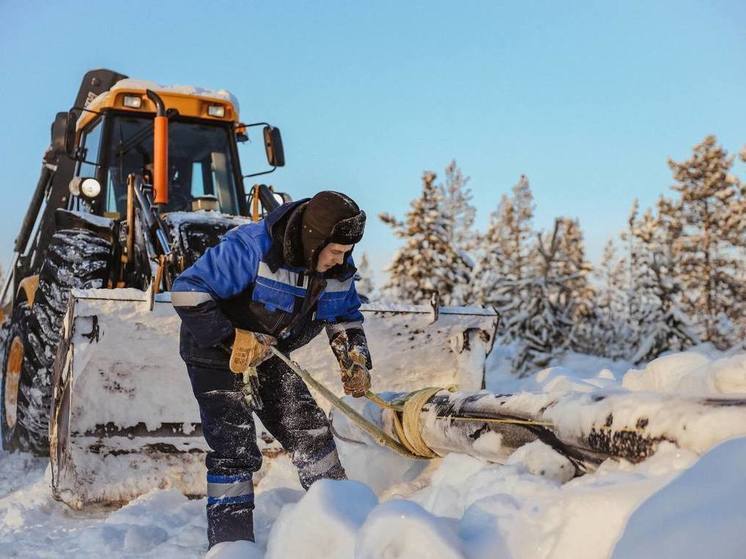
(673, 504)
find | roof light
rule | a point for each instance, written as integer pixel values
(217, 111)
(132, 101)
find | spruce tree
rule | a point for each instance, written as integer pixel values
(491, 266)
(428, 261)
(610, 327)
(460, 214)
(554, 294)
(663, 323)
(458, 208)
(504, 251)
(364, 279)
(710, 248)
(575, 293)
(636, 310)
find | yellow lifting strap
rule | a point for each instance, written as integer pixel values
(371, 429)
(407, 417)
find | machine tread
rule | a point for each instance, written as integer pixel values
(76, 258)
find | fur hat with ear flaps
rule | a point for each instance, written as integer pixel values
(330, 217)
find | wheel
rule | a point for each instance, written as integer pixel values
(15, 361)
(76, 258)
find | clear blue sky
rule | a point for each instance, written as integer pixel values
(588, 99)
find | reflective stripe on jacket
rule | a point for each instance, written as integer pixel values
(236, 285)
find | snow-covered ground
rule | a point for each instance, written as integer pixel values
(675, 504)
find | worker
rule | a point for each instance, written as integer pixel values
(279, 282)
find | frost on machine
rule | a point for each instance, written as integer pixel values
(139, 180)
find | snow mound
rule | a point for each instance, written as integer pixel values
(673, 504)
(561, 380)
(402, 529)
(540, 459)
(327, 518)
(235, 550)
(690, 373)
(700, 513)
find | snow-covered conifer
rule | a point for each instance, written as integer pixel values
(459, 211)
(504, 251)
(428, 261)
(364, 279)
(492, 266)
(635, 307)
(554, 295)
(610, 327)
(710, 248)
(575, 295)
(663, 323)
(457, 206)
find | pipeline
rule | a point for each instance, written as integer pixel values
(586, 428)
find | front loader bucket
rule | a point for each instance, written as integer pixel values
(412, 347)
(125, 421)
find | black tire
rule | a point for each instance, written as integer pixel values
(76, 258)
(14, 434)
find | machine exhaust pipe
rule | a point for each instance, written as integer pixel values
(160, 149)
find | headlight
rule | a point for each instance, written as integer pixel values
(85, 186)
(216, 111)
(90, 188)
(132, 101)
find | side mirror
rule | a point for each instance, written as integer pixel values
(273, 146)
(63, 134)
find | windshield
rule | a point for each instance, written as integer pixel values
(199, 156)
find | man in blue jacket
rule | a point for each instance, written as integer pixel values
(279, 281)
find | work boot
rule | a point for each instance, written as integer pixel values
(230, 508)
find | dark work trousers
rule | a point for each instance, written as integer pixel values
(290, 414)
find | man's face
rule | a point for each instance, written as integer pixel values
(331, 255)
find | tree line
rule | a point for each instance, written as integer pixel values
(676, 276)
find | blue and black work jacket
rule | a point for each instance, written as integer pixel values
(245, 281)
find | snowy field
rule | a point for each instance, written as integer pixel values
(675, 504)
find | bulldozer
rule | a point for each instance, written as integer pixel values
(138, 181)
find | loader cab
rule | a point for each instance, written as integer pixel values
(203, 163)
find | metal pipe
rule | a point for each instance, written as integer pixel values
(492, 426)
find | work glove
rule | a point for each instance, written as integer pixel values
(250, 350)
(356, 378)
(351, 350)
